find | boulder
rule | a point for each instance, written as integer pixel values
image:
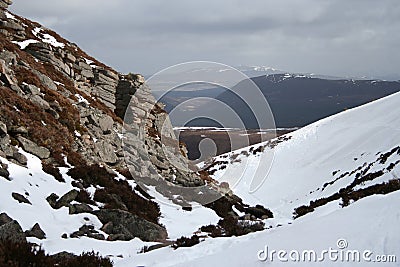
(3, 171)
(79, 208)
(36, 231)
(66, 199)
(52, 200)
(89, 231)
(20, 198)
(31, 147)
(38, 100)
(12, 231)
(20, 158)
(129, 226)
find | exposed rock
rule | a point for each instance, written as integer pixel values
(67, 198)
(12, 25)
(36, 231)
(46, 81)
(30, 89)
(106, 123)
(15, 129)
(20, 158)
(5, 3)
(63, 256)
(259, 212)
(130, 226)
(4, 139)
(3, 128)
(4, 218)
(106, 152)
(52, 200)
(31, 147)
(38, 100)
(89, 231)
(107, 228)
(12, 231)
(79, 208)
(9, 58)
(3, 171)
(20, 198)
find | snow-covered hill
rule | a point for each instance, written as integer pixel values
(310, 164)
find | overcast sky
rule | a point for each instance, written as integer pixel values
(333, 37)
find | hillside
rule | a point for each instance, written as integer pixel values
(336, 178)
(88, 159)
(344, 173)
(91, 172)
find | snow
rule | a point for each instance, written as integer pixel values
(81, 99)
(179, 222)
(47, 38)
(301, 165)
(364, 225)
(59, 83)
(9, 15)
(24, 44)
(305, 162)
(55, 223)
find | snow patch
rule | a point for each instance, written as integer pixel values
(24, 44)
(47, 38)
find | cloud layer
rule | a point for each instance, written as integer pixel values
(334, 37)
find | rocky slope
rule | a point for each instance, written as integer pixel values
(59, 102)
(84, 150)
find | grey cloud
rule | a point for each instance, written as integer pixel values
(336, 37)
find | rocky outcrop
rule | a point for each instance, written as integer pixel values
(122, 225)
(10, 230)
(36, 231)
(66, 108)
(85, 98)
(4, 170)
(89, 231)
(5, 3)
(20, 198)
(31, 147)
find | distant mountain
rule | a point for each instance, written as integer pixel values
(295, 99)
(298, 100)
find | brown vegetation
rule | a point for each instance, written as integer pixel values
(117, 194)
(27, 254)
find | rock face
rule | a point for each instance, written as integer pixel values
(63, 106)
(122, 225)
(78, 104)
